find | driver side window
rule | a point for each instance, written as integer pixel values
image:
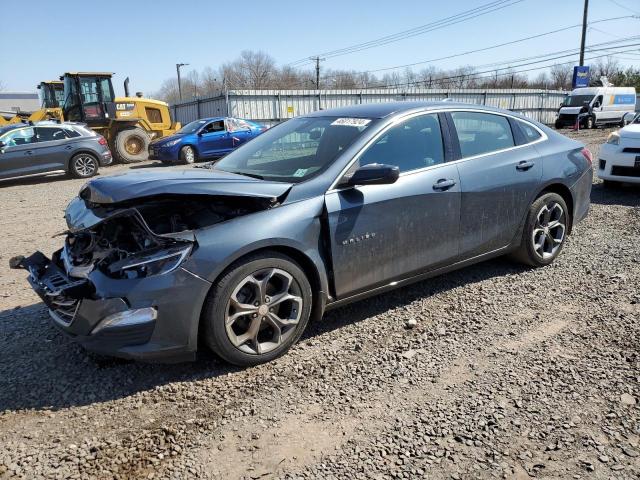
(415, 143)
(215, 126)
(20, 136)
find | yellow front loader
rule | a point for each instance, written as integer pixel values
(128, 123)
(51, 98)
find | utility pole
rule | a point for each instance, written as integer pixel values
(178, 65)
(317, 60)
(584, 31)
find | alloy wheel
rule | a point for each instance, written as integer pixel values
(263, 311)
(549, 230)
(189, 155)
(85, 165)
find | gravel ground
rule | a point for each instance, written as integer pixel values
(508, 373)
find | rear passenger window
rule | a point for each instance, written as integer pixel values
(50, 134)
(415, 143)
(530, 133)
(71, 133)
(480, 133)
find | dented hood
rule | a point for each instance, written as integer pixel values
(129, 186)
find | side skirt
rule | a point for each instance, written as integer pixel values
(417, 278)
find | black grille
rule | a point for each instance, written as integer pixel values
(625, 171)
(631, 150)
(603, 163)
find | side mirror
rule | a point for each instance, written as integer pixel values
(374, 174)
(626, 119)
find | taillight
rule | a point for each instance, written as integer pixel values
(102, 140)
(586, 153)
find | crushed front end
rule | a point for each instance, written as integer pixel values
(119, 287)
(122, 284)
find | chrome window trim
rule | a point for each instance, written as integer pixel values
(543, 137)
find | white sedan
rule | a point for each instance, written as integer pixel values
(619, 159)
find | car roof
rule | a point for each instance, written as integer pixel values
(382, 110)
(13, 126)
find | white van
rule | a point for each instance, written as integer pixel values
(596, 106)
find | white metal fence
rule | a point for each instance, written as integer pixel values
(273, 106)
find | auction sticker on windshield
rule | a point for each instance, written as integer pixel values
(351, 122)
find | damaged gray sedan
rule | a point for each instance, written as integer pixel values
(316, 212)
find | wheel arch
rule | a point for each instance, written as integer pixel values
(564, 191)
(309, 267)
(81, 151)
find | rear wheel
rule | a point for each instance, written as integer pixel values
(132, 145)
(188, 154)
(83, 165)
(545, 231)
(258, 310)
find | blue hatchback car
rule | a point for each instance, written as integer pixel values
(204, 138)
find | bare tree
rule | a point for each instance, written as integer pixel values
(561, 76)
(605, 67)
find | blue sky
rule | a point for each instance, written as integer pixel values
(144, 40)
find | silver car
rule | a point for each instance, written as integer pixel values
(51, 147)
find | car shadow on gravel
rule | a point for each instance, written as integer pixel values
(627, 195)
(41, 369)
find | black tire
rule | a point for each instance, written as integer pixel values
(218, 306)
(83, 165)
(131, 145)
(527, 252)
(590, 122)
(188, 154)
(559, 125)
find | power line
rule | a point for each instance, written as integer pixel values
(494, 72)
(625, 7)
(396, 67)
(445, 22)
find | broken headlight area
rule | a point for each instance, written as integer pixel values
(142, 238)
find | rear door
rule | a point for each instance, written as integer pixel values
(239, 130)
(214, 139)
(54, 148)
(383, 233)
(499, 172)
(19, 155)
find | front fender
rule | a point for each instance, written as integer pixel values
(296, 226)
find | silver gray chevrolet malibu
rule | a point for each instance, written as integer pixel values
(319, 211)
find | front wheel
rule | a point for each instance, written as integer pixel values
(83, 165)
(187, 154)
(132, 145)
(545, 231)
(591, 123)
(258, 310)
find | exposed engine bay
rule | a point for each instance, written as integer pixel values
(146, 236)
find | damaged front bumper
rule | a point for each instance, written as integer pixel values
(146, 319)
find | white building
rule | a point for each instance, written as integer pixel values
(12, 102)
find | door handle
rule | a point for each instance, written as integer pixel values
(444, 184)
(68, 147)
(524, 165)
(29, 152)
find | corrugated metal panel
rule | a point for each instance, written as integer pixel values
(273, 106)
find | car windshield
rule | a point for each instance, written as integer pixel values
(295, 150)
(192, 127)
(577, 100)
